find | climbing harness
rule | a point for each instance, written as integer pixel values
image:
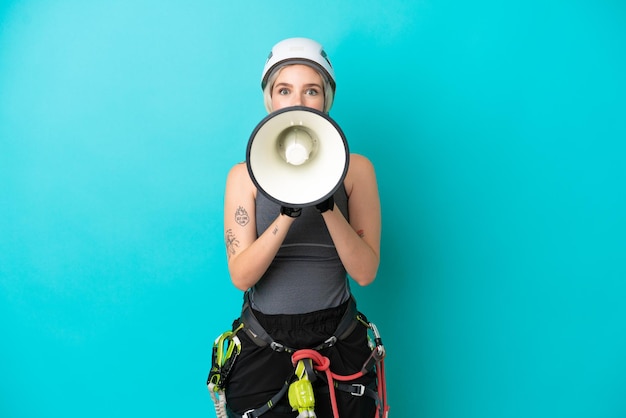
(255, 331)
(308, 364)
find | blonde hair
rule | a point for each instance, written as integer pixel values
(329, 93)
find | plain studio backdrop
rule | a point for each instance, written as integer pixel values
(498, 132)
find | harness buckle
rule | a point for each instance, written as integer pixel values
(248, 414)
(331, 341)
(278, 347)
(357, 389)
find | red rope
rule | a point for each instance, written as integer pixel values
(322, 364)
(382, 390)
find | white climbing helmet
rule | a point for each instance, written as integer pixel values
(298, 51)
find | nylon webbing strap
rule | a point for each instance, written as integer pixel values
(255, 331)
(356, 390)
(255, 413)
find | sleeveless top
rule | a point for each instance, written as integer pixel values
(306, 275)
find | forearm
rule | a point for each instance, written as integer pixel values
(247, 267)
(360, 258)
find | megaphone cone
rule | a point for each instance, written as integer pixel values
(297, 156)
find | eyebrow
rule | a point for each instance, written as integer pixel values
(282, 83)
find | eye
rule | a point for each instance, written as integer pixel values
(283, 91)
(312, 92)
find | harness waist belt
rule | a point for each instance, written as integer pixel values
(255, 331)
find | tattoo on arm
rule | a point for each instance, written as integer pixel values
(360, 233)
(231, 243)
(241, 216)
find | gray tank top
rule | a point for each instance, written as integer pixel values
(306, 274)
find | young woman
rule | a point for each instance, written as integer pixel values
(295, 267)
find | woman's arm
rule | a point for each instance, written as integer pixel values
(358, 242)
(248, 257)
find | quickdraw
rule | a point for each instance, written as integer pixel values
(226, 349)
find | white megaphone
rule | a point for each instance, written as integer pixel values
(297, 156)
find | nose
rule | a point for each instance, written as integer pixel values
(297, 100)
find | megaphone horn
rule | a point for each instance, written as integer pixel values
(297, 156)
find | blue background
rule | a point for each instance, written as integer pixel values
(498, 132)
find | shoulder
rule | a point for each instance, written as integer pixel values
(239, 177)
(360, 171)
(360, 162)
(239, 171)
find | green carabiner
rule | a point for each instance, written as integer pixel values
(226, 348)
